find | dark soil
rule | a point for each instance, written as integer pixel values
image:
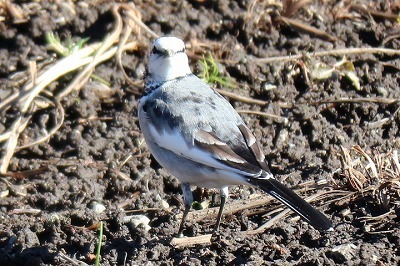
(80, 163)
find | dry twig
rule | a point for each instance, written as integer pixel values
(337, 52)
(241, 98)
(308, 29)
(179, 242)
(276, 118)
(367, 11)
(358, 100)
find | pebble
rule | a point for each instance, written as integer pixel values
(97, 207)
(343, 253)
(137, 220)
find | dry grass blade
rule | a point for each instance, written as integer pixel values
(358, 100)
(81, 62)
(336, 196)
(355, 178)
(377, 218)
(58, 124)
(134, 24)
(59, 69)
(268, 224)
(395, 162)
(131, 23)
(25, 174)
(376, 178)
(241, 98)
(71, 261)
(372, 12)
(229, 209)
(371, 164)
(135, 19)
(18, 126)
(25, 211)
(14, 11)
(337, 52)
(276, 118)
(27, 96)
(102, 53)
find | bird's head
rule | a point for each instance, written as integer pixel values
(167, 61)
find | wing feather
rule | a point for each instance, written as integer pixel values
(206, 149)
(254, 147)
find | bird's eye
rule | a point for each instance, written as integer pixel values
(156, 51)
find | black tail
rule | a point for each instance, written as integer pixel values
(293, 201)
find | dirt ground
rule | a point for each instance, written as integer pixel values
(54, 194)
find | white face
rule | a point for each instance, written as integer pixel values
(167, 60)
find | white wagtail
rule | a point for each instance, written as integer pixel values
(198, 137)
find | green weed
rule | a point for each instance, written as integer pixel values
(211, 74)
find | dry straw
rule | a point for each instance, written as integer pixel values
(36, 93)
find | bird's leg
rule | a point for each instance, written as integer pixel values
(224, 195)
(188, 200)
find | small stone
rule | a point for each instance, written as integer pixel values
(31, 239)
(345, 212)
(382, 91)
(343, 253)
(164, 204)
(97, 207)
(269, 86)
(137, 220)
(4, 193)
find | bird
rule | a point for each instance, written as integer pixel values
(197, 136)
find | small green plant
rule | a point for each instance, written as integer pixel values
(70, 47)
(211, 74)
(98, 249)
(54, 41)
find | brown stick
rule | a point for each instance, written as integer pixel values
(375, 13)
(276, 118)
(357, 100)
(179, 242)
(309, 29)
(344, 51)
(241, 98)
(197, 216)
